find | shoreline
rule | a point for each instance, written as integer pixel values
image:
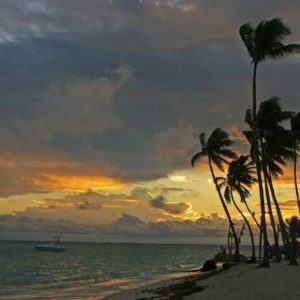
(243, 281)
(178, 284)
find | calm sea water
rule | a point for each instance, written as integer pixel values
(90, 271)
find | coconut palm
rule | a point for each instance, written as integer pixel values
(262, 43)
(240, 177)
(295, 128)
(294, 233)
(216, 149)
(251, 213)
(276, 147)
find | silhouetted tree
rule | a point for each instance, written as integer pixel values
(264, 42)
(275, 149)
(240, 177)
(295, 128)
(216, 149)
(294, 233)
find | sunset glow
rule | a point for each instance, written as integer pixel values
(83, 183)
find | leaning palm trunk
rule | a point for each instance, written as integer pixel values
(265, 260)
(236, 240)
(251, 213)
(276, 242)
(253, 255)
(295, 177)
(285, 239)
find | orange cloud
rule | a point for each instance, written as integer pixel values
(237, 135)
(76, 183)
(23, 172)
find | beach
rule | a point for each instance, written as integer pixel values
(243, 282)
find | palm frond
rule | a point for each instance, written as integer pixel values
(196, 158)
(249, 118)
(202, 140)
(282, 51)
(295, 126)
(247, 35)
(221, 182)
(226, 152)
(217, 160)
(227, 194)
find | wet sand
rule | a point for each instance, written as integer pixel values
(242, 282)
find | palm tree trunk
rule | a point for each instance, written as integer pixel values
(265, 261)
(260, 242)
(265, 174)
(295, 177)
(285, 239)
(253, 255)
(251, 213)
(237, 251)
(276, 242)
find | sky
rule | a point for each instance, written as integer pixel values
(101, 105)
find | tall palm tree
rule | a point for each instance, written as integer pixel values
(216, 149)
(240, 177)
(295, 128)
(276, 146)
(264, 42)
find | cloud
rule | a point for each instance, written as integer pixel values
(174, 144)
(126, 228)
(140, 193)
(289, 207)
(19, 223)
(82, 105)
(45, 171)
(170, 207)
(95, 94)
(189, 20)
(91, 206)
(75, 183)
(210, 225)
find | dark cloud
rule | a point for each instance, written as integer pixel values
(170, 207)
(19, 223)
(211, 225)
(184, 71)
(126, 228)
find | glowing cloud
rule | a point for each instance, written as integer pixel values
(78, 183)
(177, 178)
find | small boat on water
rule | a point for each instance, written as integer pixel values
(53, 246)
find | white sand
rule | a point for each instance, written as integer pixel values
(243, 282)
(246, 282)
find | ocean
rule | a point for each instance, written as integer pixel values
(91, 271)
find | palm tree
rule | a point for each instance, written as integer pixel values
(264, 42)
(216, 149)
(294, 233)
(239, 178)
(275, 149)
(251, 213)
(295, 128)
